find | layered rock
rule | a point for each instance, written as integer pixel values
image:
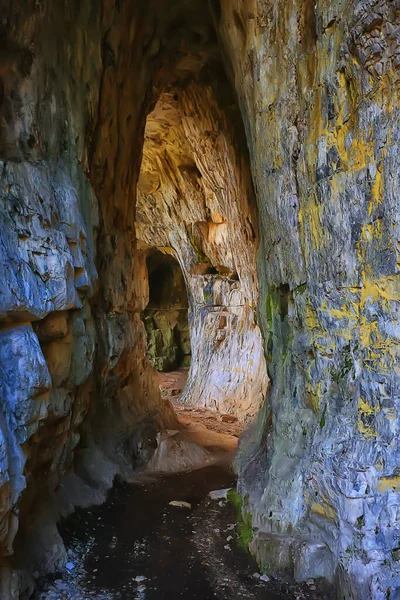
(318, 86)
(78, 399)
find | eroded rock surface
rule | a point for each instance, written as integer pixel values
(196, 200)
(318, 85)
(270, 170)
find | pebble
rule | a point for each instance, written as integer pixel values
(140, 578)
(180, 504)
(264, 578)
(69, 566)
(219, 494)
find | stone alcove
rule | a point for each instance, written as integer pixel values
(166, 315)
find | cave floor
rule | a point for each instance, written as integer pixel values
(137, 546)
(179, 552)
(172, 385)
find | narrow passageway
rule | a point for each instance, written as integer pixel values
(199, 289)
(166, 314)
(137, 546)
(165, 535)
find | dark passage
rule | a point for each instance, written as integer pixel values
(166, 315)
(182, 553)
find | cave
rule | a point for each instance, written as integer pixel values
(166, 315)
(245, 154)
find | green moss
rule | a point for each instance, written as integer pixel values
(345, 368)
(244, 520)
(201, 257)
(300, 289)
(279, 330)
(235, 500)
(322, 421)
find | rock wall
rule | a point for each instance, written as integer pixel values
(318, 86)
(79, 401)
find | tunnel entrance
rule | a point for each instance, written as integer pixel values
(196, 202)
(166, 315)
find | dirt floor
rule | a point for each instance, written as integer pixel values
(172, 385)
(164, 536)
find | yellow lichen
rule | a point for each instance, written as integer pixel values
(376, 191)
(324, 510)
(389, 484)
(366, 414)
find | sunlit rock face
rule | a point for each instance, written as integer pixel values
(287, 237)
(318, 85)
(196, 200)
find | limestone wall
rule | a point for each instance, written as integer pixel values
(318, 84)
(78, 399)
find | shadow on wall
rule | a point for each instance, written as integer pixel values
(166, 315)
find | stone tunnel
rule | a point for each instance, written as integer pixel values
(251, 148)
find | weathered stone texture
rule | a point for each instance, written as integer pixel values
(287, 236)
(58, 318)
(196, 200)
(319, 88)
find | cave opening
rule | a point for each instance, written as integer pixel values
(166, 314)
(195, 201)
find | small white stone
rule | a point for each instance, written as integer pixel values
(264, 578)
(70, 566)
(140, 578)
(219, 494)
(180, 504)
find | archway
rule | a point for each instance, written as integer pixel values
(196, 201)
(166, 315)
